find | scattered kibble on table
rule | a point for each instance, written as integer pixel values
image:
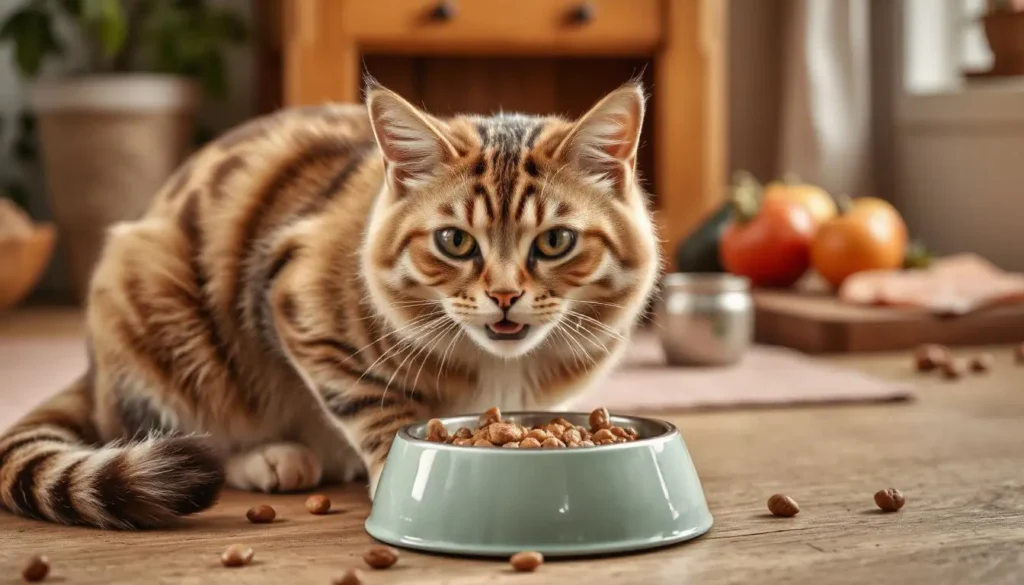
(526, 561)
(380, 557)
(930, 356)
(953, 369)
(318, 504)
(982, 362)
(36, 569)
(349, 577)
(261, 514)
(236, 555)
(783, 505)
(889, 500)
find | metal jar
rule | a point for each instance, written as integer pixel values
(704, 319)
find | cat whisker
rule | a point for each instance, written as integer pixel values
(444, 358)
(601, 326)
(415, 345)
(437, 338)
(599, 303)
(575, 354)
(569, 335)
(398, 347)
(418, 320)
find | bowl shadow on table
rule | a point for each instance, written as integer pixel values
(563, 558)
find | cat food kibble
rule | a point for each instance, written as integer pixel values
(559, 433)
(953, 369)
(262, 514)
(890, 499)
(782, 505)
(982, 362)
(436, 431)
(380, 557)
(318, 504)
(599, 419)
(349, 577)
(526, 561)
(36, 569)
(529, 443)
(236, 555)
(930, 356)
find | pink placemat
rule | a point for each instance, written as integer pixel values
(766, 376)
(32, 369)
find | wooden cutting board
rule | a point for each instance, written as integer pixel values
(818, 323)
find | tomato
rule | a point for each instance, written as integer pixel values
(870, 235)
(814, 198)
(771, 247)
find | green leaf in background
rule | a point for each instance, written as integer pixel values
(106, 17)
(31, 32)
(26, 122)
(72, 7)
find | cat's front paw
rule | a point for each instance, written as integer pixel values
(277, 467)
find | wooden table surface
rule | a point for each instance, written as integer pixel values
(957, 453)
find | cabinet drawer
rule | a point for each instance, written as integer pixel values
(612, 27)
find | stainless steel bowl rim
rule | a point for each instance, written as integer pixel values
(668, 432)
(705, 283)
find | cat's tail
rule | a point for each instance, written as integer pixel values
(52, 469)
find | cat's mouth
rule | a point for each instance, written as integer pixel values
(506, 330)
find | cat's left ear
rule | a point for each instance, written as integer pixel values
(603, 143)
(412, 142)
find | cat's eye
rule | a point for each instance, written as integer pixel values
(555, 243)
(455, 243)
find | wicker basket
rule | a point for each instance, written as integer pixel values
(107, 146)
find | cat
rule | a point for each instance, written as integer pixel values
(317, 278)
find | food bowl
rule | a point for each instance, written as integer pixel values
(704, 319)
(477, 501)
(24, 259)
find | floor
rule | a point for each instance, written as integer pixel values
(957, 452)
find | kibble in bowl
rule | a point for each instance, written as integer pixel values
(495, 484)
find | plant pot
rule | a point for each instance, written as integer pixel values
(107, 144)
(1005, 33)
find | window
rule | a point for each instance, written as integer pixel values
(943, 39)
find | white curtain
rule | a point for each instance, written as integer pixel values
(826, 95)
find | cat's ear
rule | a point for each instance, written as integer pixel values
(603, 143)
(412, 142)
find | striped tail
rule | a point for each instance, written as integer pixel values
(50, 469)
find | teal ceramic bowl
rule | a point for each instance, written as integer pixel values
(560, 502)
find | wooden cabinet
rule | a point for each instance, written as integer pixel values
(538, 56)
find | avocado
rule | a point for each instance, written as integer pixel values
(699, 251)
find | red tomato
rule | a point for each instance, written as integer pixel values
(773, 248)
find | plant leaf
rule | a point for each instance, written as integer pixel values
(108, 19)
(31, 32)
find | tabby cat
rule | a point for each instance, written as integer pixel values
(316, 279)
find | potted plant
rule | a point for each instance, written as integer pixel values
(114, 86)
(1004, 29)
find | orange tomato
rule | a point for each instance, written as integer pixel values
(871, 235)
(814, 198)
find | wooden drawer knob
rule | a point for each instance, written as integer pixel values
(444, 11)
(583, 13)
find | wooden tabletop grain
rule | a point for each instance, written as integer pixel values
(957, 453)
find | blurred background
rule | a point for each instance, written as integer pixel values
(915, 102)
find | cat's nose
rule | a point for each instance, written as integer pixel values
(504, 298)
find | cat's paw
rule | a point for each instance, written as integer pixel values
(276, 467)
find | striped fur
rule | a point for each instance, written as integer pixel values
(284, 307)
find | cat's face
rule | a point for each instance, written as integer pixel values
(513, 230)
